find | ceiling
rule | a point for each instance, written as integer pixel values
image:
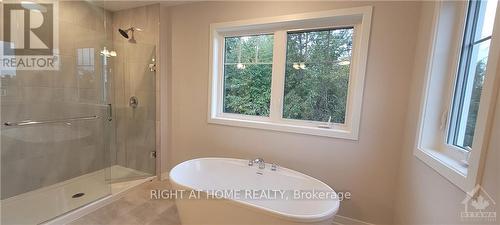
(118, 5)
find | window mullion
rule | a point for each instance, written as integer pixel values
(220, 78)
(481, 40)
(278, 75)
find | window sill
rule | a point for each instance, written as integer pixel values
(445, 165)
(284, 127)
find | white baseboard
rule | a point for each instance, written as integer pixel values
(343, 220)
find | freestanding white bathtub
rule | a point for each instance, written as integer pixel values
(225, 191)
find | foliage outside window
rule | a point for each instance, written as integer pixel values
(316, 77)
(248, 66)
(317, 74)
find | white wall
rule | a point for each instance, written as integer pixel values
(368, 168)
(424, 196)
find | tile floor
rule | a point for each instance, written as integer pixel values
(135, 207)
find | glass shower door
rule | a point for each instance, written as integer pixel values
(55, 128)
(135, 110)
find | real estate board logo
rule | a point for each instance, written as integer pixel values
(478, 206)
(29, 36)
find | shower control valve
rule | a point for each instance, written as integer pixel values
(133, 102)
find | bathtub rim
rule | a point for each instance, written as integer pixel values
(287, 216)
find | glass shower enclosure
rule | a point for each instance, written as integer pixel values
(70, 133)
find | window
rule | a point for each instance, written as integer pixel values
(248, 63)
(300, 73)
(317, 74)
(471, 74)
(459, 90)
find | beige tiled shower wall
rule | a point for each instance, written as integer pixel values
(135, 128)
(37, 156)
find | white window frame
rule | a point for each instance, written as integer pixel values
(443, 157)
(359, 18)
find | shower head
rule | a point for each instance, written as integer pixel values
(125, 32)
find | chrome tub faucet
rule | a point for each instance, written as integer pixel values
(259, 161)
